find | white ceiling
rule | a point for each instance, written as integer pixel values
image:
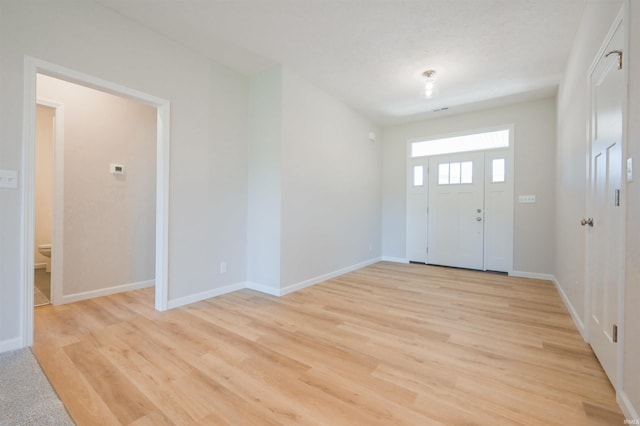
(371, 53)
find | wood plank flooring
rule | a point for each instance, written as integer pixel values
(390, 344)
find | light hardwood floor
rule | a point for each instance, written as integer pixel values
(390, 344)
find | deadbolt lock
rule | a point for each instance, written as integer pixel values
(589, 222)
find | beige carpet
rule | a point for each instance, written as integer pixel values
(26, 396)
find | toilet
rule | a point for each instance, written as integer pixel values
(45, 249)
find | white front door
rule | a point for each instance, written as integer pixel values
(605, 238)
(456, 210)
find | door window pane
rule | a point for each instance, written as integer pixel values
(454, 173)
(497, 170)
(466, 172)
(443, 173)
(418, 175)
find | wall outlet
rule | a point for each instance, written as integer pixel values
(223, 267)
(9, 179)
(527, 199)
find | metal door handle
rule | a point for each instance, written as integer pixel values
(589, 222)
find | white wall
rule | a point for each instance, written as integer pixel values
(331, 185)
(534, 228)
(265, 189)
(109, 220)
(314, 185)
(208, 182)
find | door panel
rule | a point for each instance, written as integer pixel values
(605, 239)
(456, 212)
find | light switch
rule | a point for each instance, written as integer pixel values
(629, 169)
(9, 179)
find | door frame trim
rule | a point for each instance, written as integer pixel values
(621, 19)
(57, 237)
(411, 161)
(33, 66)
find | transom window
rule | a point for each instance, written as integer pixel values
(465, 143)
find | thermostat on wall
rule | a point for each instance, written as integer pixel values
(116, 169)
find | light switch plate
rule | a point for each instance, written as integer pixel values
(9, 179)
(116, 169)
(527, 199)
(629, 169)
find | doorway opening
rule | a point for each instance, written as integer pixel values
(156, 257)
(48, 119)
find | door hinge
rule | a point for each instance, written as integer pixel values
(619, 53)
(615, 333)
(617, 200)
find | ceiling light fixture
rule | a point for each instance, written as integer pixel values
(430, 89)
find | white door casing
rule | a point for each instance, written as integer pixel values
(34, 66)
(605, 227)
(498, 206)
(57, 235)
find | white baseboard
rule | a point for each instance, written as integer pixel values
(307, 283)
(629, 411)
(574, 314)
(263, 288)
(533, 275)
(394, 259)
(175, 303)
(548, 277)
(76, 297)
(11, 344)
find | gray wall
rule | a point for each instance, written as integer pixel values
(208, 181)
(534, 228)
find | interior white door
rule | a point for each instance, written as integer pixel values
(456, 210)
(605, 236)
